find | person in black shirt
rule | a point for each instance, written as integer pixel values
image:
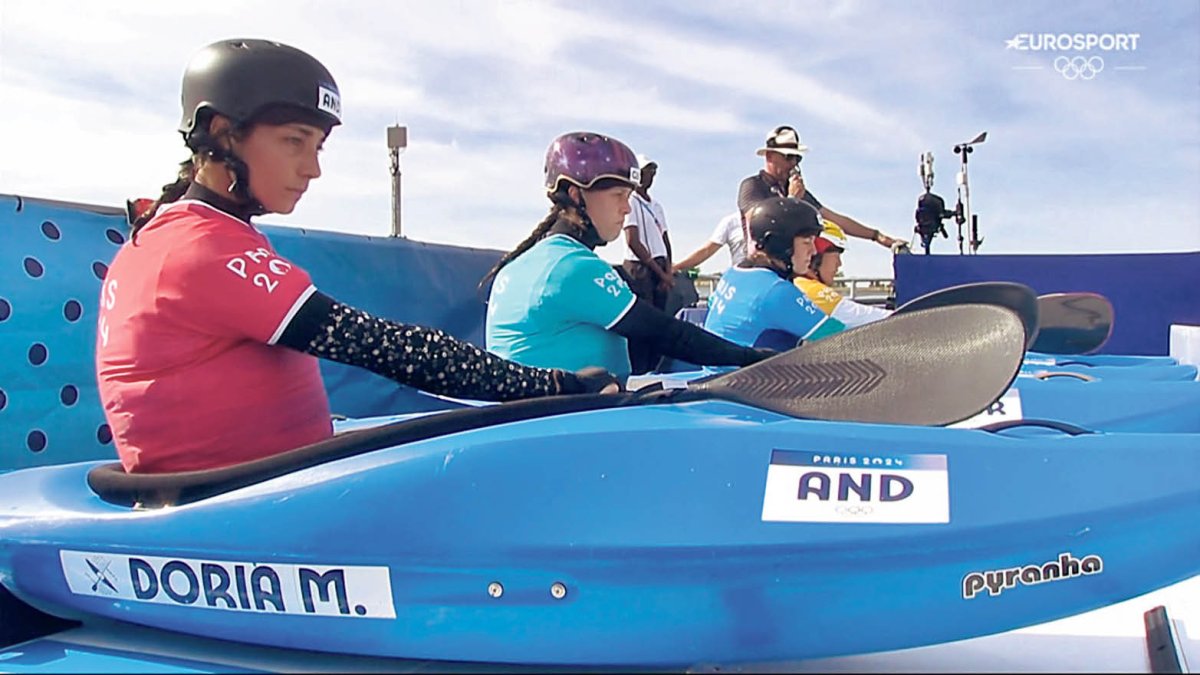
(781, 177)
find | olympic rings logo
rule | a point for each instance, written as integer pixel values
(1078, 67)
(855, 510)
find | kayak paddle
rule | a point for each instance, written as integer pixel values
(933, 366)
(1017, 297)
(1073, 323)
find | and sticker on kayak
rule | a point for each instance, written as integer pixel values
(305, 590)
(996, 582)
(819, 487)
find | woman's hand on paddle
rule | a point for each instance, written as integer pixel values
(760, 353)
(590, 380)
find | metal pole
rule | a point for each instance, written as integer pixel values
(397, 140)
(966, 186)
(959, 208)
(395, 153)
(965, 196)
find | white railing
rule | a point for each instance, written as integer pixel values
(868, 290)
(865, 289)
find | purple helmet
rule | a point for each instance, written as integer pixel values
(582, 158)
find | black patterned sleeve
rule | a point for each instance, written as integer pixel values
(425, 358)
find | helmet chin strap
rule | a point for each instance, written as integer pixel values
(590, 237)
(240, 187)
(784, 259)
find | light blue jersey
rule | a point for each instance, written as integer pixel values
(553, 306)
(749, 302)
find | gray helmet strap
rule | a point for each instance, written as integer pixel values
(239, 189)
(591, 236)
(585, 231)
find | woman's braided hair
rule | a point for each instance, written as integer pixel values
(562, 208)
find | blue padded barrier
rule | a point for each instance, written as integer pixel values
(51, 264)
(408, 281)
(1149, 292)
(53, 259)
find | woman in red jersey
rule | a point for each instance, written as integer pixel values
(208, 340)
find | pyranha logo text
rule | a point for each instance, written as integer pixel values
(996, 582)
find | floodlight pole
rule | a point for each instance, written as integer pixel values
(397, 140)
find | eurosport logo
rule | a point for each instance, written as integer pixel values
(1073, 42)
(1075, 65)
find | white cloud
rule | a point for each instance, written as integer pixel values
(90, 94)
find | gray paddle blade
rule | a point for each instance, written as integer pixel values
(1017, 297)
(1073, 323)
(934, 366)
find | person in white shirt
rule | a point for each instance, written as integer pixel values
(727, 233)
(647, 257)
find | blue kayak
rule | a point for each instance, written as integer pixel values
(1148, 373)
(1102, 366)
(641, 535)
(1098, 405)
(1093, 360)
(1102, 405)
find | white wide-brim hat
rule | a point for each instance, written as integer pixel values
(785, 141)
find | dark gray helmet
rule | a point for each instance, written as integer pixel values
(775, 223)
(243, 78)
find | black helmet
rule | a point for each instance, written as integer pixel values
(243, 78)
(776, 222)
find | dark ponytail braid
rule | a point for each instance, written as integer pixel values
(562, 207)
(171, 192)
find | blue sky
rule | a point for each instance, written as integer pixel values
(89, 101)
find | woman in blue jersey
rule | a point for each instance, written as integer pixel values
(554, 302)
(756, 303)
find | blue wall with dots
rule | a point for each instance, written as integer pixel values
(55, 255)
(50, 272)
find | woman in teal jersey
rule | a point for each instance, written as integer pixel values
(554, 301)
(756, 303)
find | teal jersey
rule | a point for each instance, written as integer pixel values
(553, 307)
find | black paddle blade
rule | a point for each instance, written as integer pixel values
(1073, 323)
(1016, 297)
(932, 366)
